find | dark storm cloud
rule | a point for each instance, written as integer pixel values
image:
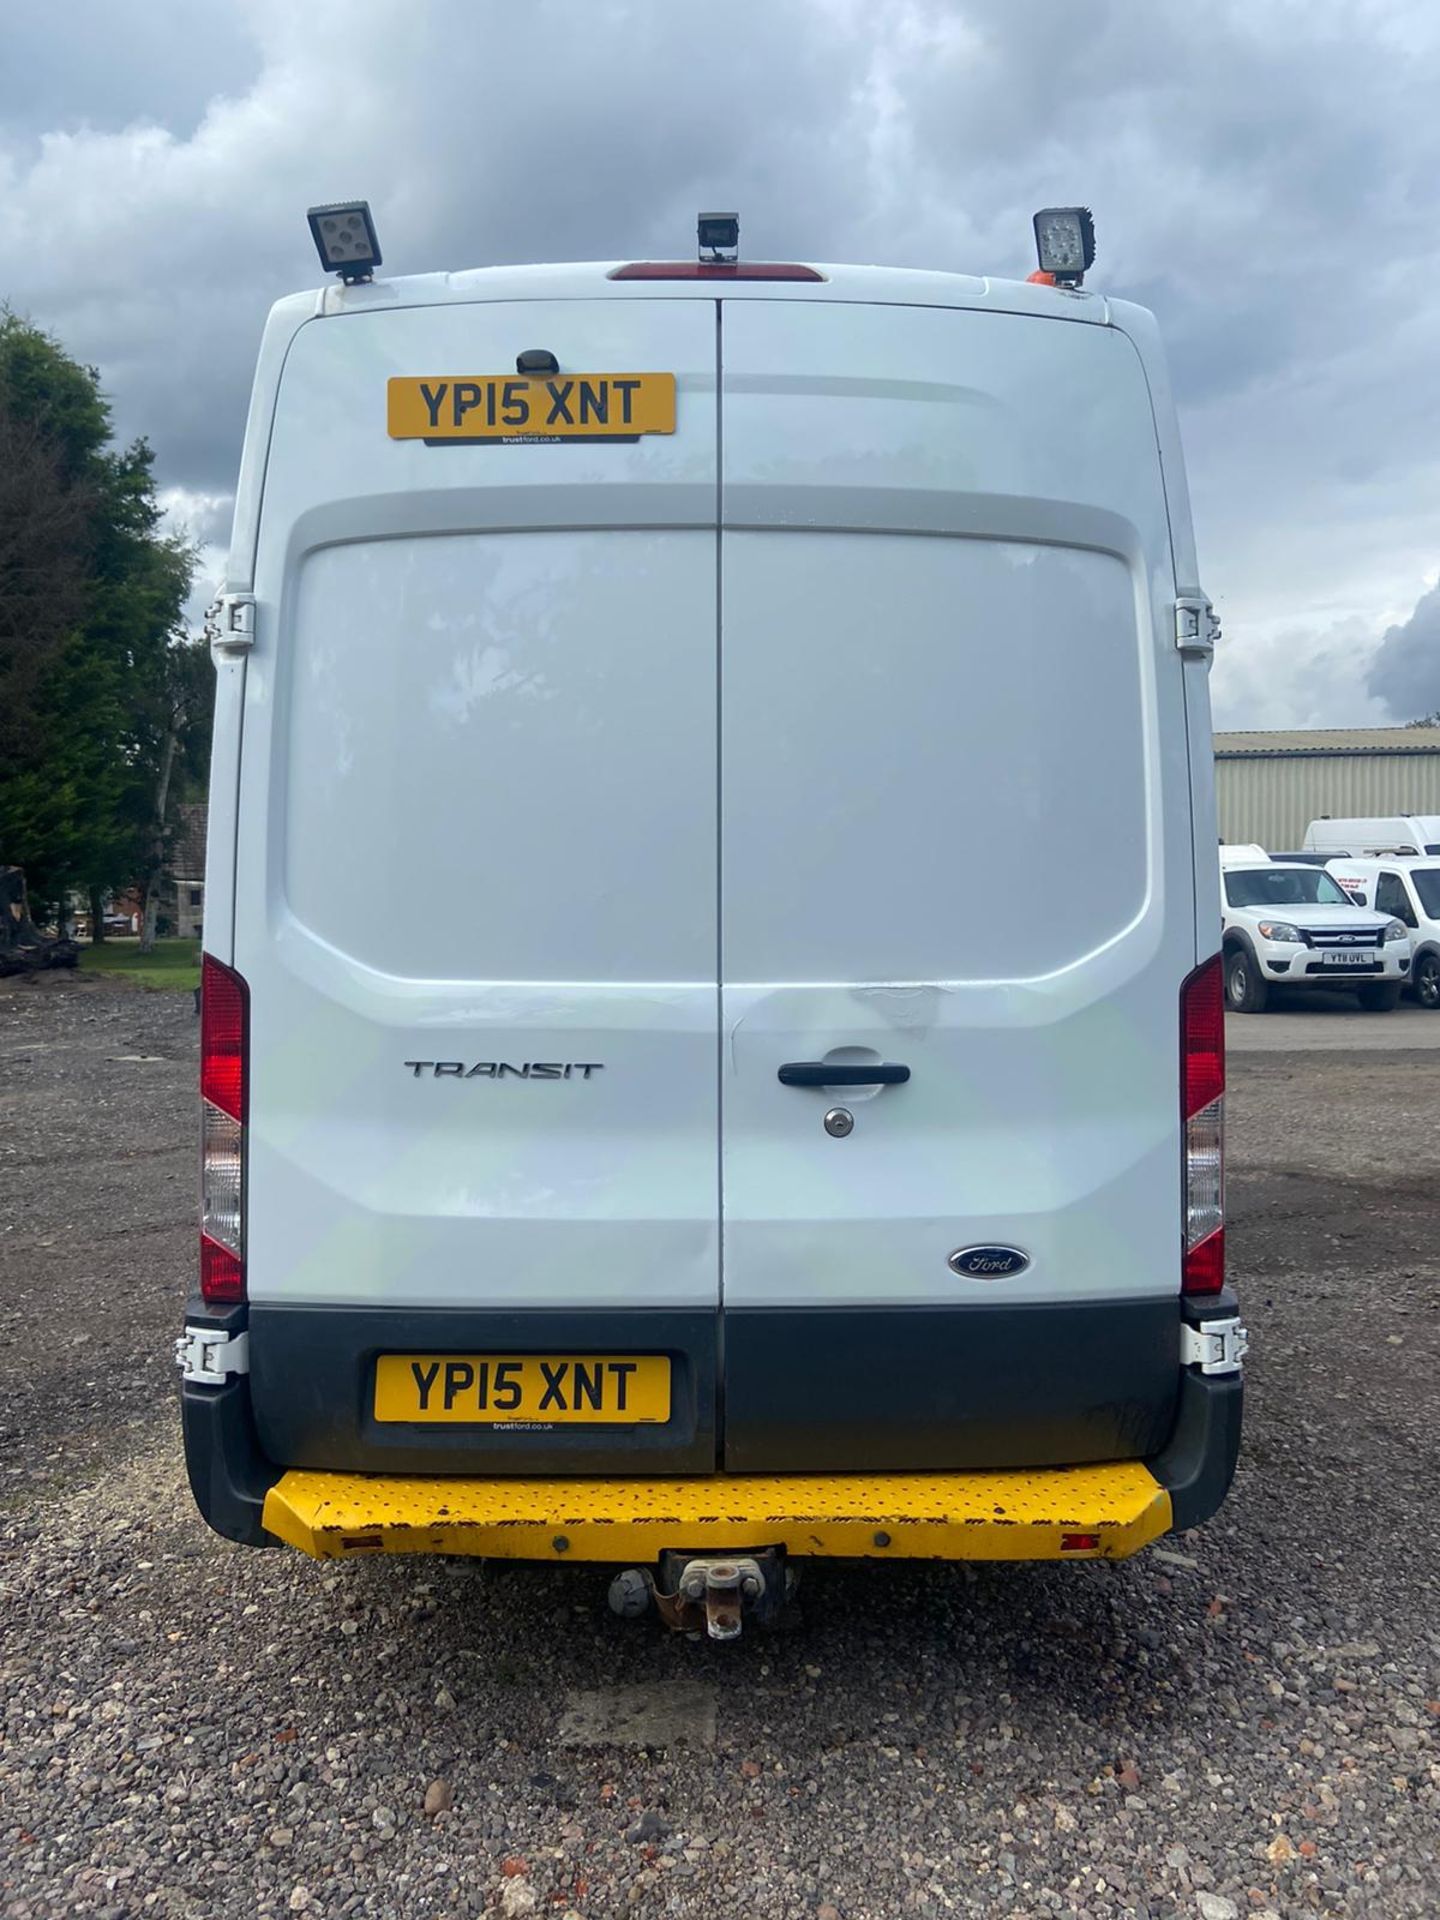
(94, 63)
(479, 133)
(1261, 176)
(1405, 672)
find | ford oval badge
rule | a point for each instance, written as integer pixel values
(988, 1263)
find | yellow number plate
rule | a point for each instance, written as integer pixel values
(555, 406)
(498, 1389)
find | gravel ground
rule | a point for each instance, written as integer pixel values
(98, 1145)
(1242, 1722)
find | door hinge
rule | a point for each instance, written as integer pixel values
(230, 623)
(1197, 626)
(209, 1355)
(1217, 1347)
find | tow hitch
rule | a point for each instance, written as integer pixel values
(696, 1592)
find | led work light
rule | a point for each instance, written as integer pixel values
(1065, 242)
(718, 235)
(344, 236)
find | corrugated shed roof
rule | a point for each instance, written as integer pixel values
(1313, 740)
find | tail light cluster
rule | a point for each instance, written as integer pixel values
(224, 1090)
(1202, 1115)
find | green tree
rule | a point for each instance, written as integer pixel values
(178, 713)
(91, 597)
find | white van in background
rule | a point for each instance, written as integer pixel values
(1292, 925)
(620, 1108)
(1417, 833)
(1408, 890)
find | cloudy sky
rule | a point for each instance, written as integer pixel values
(1265, 175)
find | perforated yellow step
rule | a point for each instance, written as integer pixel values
(1046, 1514)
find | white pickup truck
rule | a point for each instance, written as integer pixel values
(1287, 924)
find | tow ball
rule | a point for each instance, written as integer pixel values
(704, 1591)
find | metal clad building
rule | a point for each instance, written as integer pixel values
(1270, 786)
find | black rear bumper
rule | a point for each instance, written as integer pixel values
(1010, 1401)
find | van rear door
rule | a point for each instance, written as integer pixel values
(475, 905)
(956, 843)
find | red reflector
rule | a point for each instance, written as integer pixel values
(712, 270)
(1204, 1266)
(222, 1275)
(224, 1037)
(1202, 1037)
(1079, 1542)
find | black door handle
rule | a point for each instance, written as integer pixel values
(843, 1073)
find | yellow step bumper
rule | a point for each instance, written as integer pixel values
(1104, 1512)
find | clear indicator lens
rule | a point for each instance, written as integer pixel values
(1204, 1173)
(221, 1177)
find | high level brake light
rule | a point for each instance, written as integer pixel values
(224, 1093)
(1202, 1116)
(717, 237)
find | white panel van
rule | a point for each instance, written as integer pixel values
(1417, 833)
(621, 1105)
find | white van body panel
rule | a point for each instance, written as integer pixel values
(383, 918)
(1417, 834)
(656, 766)
(942, 606)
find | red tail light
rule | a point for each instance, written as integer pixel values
(224, 1034)
(1202, 1118)
(224, 1107)
(222, 1274)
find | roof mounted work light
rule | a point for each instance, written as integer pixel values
(344, 236)
(1065, 242)
(718, 235)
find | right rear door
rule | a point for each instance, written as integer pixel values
(955, 840)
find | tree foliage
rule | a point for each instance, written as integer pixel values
(91, 646)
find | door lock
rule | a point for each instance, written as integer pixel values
(838, 1122)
